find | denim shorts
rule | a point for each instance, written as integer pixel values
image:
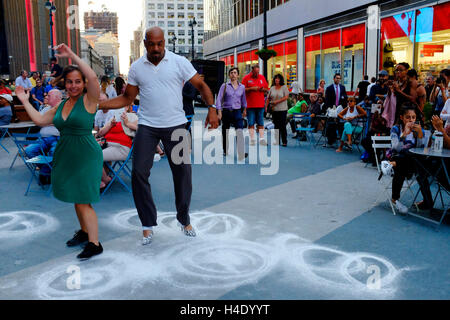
(255, 114)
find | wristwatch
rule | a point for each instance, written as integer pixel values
(212, 106)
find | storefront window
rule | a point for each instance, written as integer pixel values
(331, 54)
(353, 39)
(285, 63)
(397, 40)
(229, 63)
(245, 62)
(312, 62)
(432, 40)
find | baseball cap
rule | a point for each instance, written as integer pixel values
(7, 97)
(383, 73)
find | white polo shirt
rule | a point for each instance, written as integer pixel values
(160, 89)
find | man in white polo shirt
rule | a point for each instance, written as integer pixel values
(158, 77)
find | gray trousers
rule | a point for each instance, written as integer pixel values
(145, 143)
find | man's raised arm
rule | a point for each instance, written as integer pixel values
(121, 101)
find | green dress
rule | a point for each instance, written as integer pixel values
(78, 158)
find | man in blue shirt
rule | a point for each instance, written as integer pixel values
(37, 93)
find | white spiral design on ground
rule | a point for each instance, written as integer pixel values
(205, 223)
(22, 224)
(98, 276)
(204, 265)
(338, 269)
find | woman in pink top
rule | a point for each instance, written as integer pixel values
(321, 88)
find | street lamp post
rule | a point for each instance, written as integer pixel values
(192, 24)
(51, 8)
(174, 38)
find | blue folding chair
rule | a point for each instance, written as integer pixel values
(189, 118)
(305, 126)
(35, 163)
(122, 168)
(22, 140)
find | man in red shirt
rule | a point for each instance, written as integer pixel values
(3, 88)
(255, 88)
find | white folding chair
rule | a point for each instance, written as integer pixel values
(384, 143)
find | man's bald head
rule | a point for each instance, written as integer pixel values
(154, 32)
(155, 44)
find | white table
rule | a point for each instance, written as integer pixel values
(440, 156)
(18, 125)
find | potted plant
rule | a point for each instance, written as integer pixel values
(266, 54)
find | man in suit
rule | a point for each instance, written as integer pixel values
(335, 95)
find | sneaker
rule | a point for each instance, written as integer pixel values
(387, 168)
(80, 237)
(400, 207)
(90, 250)
(147, 240)
(189, 233)
(262, 142)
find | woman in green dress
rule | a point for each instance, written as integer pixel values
(78, 160)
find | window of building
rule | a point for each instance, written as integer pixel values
(244, 62)
(200, 16)
(170, 15)
(432, 53)
(419, 37)
(200, 41)
(151, 15)
(397, 40)
(190, 7)
(171, 24)
(312, 62)
(171, 32)
(353, 40)
(160, 6)
(160, 15)
(181, 24)
(180, 6)
(190, 15)
(151, 23)
(181, 41)
(200, 32)
(151, 6)
(161, 24)
(181, 32)
(180, 15)
(170, 6)
(199, 6)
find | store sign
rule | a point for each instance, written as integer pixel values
(430, 49)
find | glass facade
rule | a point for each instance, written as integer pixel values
(419, 37)
(227, 14)
(285, 62)
(337, 51)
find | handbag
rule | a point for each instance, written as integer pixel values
(103, 143)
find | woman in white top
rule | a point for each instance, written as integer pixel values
(350, 114)
(445, 113)
(278, 95)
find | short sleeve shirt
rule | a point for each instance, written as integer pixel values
(160, 89)
(277, 95)
(101, 118)
(255, 99)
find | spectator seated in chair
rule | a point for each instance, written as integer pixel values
(49, 136)
(300, 107)
(314, 109)
(118, 135)
(350, 114)
(37, 94)
(5, 110)
(405, 135)
(377, 127)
